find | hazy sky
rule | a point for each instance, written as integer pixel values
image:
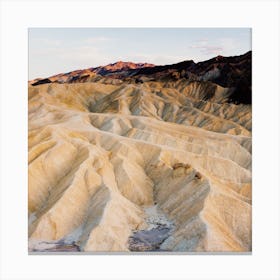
(58, 50)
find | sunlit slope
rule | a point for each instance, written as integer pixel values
(100, 152)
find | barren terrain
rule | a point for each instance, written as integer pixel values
(155, 160)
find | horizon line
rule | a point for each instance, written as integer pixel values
(154, 65)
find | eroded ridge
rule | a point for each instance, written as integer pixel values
(154, 166)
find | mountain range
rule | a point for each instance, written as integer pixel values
(231, 72)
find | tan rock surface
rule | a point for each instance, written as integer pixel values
(100, 152)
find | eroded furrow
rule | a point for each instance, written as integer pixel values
(150, 167)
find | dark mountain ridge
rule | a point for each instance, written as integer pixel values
(233, 72)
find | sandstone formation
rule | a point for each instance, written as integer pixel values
(107, 148)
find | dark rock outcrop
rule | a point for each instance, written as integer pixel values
(41, 82)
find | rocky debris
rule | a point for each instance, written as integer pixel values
(149, 240)
(158, 230)
(59, 246)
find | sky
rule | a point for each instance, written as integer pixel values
(60, 50)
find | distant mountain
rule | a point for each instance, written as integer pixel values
(120, 66)
(233, 72)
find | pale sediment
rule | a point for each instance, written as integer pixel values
(100, 154)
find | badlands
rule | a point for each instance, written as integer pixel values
(142, 158)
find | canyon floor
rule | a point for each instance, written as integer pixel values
(122, 166)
